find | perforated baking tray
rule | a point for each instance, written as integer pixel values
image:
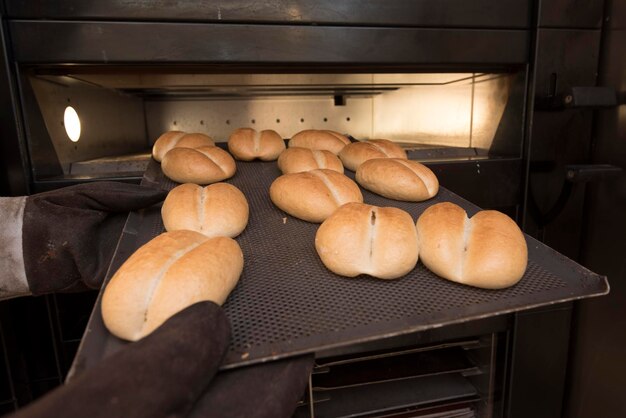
(288, 303)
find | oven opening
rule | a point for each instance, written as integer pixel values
(445, 116)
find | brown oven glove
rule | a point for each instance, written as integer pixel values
(67, 236)
(160, 375)
(171, 373)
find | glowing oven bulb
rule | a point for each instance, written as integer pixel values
(71, 121)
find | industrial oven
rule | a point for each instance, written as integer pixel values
(496, 97)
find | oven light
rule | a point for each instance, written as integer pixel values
(71, 121)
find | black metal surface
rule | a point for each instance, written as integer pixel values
(571, 13)
(597, 371)
(477, 13)
(120, 42)
(287, 302)
(13, 161)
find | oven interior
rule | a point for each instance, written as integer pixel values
(118, 114)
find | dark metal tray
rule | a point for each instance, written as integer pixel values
(288, 303)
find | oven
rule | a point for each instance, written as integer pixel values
(494, 96)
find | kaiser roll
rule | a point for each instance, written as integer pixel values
(176, 139)
(321, 140)
(364, 239)
(313, 195)
(355, 154)
(202, 165)
(166, 275)
(398, 179)
(296, 160)
(216, 210)
(246, 144)
(488, 250)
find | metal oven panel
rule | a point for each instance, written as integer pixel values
(288, 303)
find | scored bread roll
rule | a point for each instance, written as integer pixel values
(216, 210)
(202, 165)
(355, 154)
(176, 139)
(487, 250)
(297, 159)
(398, 179)
(365, 239)
(166, 275)
(246, 144)
(313, 195)
(319, 140)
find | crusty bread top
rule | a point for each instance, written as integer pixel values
(364, 239)
(488, 250)
(219, 209)
(313, 195)
(319, 140)
(166, 275)
(297, 159)
(397, 178)
(356, 153)
(246, 144)
(175, 139)
(202, 165)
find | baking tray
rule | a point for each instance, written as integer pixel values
(287, 303)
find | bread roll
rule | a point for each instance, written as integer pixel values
(175, 139)
(355, 154)
(488, 250)
(202, 165)
(398, 179)
(313, 195)
(246, 144)
(319, 140)
(216, 210)
(165, 276)
(297, 160)
(364, 239)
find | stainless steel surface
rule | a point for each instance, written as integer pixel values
(287, 302)
(111, 123)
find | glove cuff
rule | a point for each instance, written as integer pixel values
(13, 281)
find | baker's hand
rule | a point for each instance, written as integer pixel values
(63, 240)
(161, 375)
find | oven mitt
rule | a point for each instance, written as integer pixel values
(63, 240)
(161, 375)
(266, 390)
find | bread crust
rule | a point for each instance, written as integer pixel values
(319, 140)
(169, 273)
(298, 159)
(174, 139)
(398, 179)
(313, 195)
(204, 165)
(364, 239)
(219, 209)
(488, 250)
(356, 153)
(246, 144)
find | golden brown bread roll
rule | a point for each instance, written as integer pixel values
(202, 165)
(175, 139)
(313, 195)
(246, 144)
(398, 179)
(297, 160)
(355, 154)
(165, 276)
(364, 239)
(319, 140)
(488, 250)
(216, 210)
